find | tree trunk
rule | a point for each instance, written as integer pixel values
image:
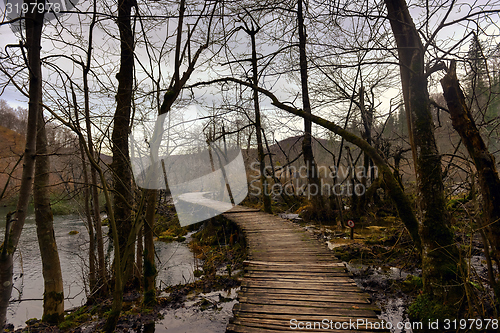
(312, 172)
(116, 306)
(266, 198)
(138, 257)
(463, 123)
(122, 177)
(34, 24)
(90, 225)
(440, 257)
(101, 264)
(87, 208)
(53, 294)
(149, 250)
(367, 117)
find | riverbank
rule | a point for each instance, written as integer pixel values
(206, 301)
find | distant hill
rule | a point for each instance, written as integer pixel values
(289, 149)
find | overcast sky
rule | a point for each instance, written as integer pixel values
(209, 96)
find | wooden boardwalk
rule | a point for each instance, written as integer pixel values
(292, 283)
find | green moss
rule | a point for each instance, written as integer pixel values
(170, 230)
(425, 309)
(53, 296)
(76, 318)
(32, 321)
(149, 267)
(53, 318)
(149, 298)
(73, 232)
(65, 325)
(412, 284)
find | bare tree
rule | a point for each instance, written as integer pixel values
(266, 198)
(312, 172)
(122, 174)
(15, 223)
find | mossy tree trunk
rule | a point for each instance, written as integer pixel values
(53, 293)
(122, 175)
(172, 93)
(138, 257)
(441, 261)
(489, 182)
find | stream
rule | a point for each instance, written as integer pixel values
(175, 264)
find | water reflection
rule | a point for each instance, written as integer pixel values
(195, 317)
(175, 265)
(26, 300)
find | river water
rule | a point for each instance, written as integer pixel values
(175, 264)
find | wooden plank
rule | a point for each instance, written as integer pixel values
(290, 251)
(239, 211)
(298, 292)
(313, 279)
(290, 245)
(340, 304)
(346, 285)
(292, 311)
(268, 263)
(295, 258)
(298, 274)
(302, 317)
(343, 297)
(298, 269)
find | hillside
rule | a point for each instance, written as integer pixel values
(11, 149)
(11, 143)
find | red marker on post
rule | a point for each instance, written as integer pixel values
(350, 224)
